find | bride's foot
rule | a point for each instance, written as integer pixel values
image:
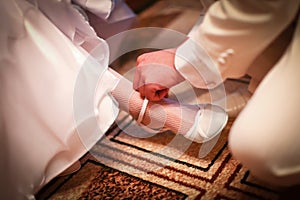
(209, 122)
(199, 123)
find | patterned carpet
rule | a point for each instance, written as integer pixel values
(121, 166)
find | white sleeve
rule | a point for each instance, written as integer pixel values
(196, 66)
(101, 8)
(234, 34)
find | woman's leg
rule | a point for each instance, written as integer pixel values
(266, 135)
(168, 113)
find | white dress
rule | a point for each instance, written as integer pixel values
(55, 101)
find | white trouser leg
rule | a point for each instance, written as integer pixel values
(266, 135)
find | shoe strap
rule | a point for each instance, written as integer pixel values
(143, 110)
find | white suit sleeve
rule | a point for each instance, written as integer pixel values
(232, 36)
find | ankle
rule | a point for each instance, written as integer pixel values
(171, 115)
(155, 115)
(182, 118)
(135, 105)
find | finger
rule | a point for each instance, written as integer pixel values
(140, 59)
(141, 90)
(167, 95)
(150, 94)
(160, 94)
(155, 92)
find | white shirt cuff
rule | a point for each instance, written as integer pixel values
(196, 66)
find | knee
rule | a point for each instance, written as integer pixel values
(263, 156)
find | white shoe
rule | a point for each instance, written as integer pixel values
(209, 122)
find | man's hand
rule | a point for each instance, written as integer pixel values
(155, 74)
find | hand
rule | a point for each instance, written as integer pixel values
(155, 74)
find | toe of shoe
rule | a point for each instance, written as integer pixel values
(212, 121)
